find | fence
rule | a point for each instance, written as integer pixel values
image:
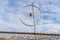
(28, 36)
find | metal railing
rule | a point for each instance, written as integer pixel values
(28, 36)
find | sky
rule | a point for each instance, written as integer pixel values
(10, 12)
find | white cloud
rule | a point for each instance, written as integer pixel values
(14, 26)
(53, 27)
(15, 23)
(53, 8)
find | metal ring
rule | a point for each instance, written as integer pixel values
(29, 6)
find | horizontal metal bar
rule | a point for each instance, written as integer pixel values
(30, 33)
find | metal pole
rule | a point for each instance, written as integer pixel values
(34, 20)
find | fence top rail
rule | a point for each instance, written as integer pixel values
(31, 33)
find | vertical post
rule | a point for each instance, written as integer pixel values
(34, 20)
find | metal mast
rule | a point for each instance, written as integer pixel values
(34, 20)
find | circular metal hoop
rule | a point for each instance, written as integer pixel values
(30, 14)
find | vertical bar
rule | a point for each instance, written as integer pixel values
(34, 20)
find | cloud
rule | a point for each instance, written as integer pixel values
(53, 27)
(9, 12)
(8, 18)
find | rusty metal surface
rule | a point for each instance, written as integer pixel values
(31, 33)
(27, 37)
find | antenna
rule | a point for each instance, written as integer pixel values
(33, 20)
(29, 16)
(32, 14)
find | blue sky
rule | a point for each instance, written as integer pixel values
(10, 9)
